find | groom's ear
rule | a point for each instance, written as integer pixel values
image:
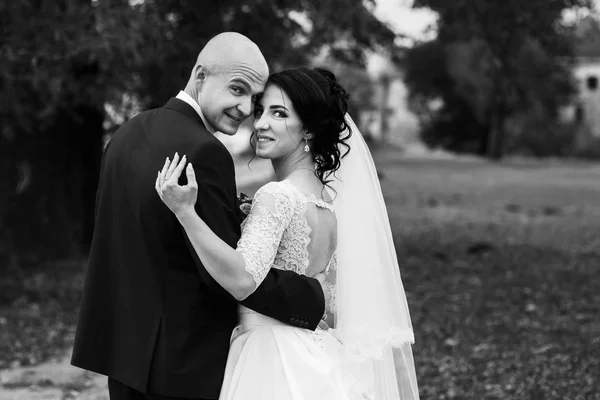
(200, 74)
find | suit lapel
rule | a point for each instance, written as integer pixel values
(181, 106)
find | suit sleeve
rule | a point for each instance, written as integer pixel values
(283, 295)
(216, 202)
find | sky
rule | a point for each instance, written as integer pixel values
(403, 19)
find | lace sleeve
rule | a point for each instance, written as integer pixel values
(269, 216)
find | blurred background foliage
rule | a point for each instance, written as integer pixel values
(64, 62)
(499, 258)
(496, 73)
(490, 81)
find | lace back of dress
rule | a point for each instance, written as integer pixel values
(316, 219)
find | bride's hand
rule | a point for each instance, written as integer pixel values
(179, 199)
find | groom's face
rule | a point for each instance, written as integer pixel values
(227, 96)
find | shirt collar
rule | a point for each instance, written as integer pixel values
(190, 100)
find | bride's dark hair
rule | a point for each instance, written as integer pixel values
(321, 103)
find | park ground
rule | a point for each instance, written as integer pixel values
(500, 263)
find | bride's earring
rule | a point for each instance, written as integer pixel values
(306, 148)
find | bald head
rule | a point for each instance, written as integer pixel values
(230, 73)
(231, 48)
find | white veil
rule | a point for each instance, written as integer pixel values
(371, 315)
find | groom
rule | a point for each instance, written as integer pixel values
(152, 319)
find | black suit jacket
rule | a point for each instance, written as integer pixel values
(151, 316)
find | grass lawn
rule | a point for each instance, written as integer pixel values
(501, 265)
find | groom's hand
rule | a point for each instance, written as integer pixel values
(323, 325)
(178, 198)
(322, 278)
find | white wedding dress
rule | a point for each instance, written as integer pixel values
(270, 360)
(368, 354)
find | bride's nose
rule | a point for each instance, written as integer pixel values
(261, 124)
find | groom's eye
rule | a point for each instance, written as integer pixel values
(237, 90)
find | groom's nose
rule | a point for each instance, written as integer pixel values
(245, 106)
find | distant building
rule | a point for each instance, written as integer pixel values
(585, 110)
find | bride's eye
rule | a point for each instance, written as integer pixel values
(279, 114)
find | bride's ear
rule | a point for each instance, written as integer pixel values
(309, 135)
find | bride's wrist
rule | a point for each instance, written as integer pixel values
(185, 214)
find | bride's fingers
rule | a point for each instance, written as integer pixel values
(177, 171)
(163, 172)
(173, 165)
(191, 176)
(159, 189)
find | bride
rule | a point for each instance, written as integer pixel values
(324, 216)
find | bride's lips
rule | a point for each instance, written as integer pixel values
(264, 139)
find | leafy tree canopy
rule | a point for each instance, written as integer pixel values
(61, 61)
(495, 59)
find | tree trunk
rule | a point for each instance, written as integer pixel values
(383, 107)
(495, 140)
(495, 149)
(482, 149)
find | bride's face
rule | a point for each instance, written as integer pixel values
(278, 129)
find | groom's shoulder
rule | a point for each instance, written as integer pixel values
(172, 111)
(166, 121)
(209, 149)
(160, 113)
(140, 118)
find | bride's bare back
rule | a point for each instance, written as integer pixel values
(323, 235)
(300, 228)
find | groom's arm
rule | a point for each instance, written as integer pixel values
(288, 297)
(284, 295)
